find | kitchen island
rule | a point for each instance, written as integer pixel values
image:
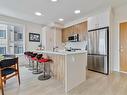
(68, 67)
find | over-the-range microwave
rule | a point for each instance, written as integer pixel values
(74, 38)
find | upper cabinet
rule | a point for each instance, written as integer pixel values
(66, 32)
(99, 21)
(51, 37)
(80, 29)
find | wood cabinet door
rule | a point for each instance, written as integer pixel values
(84, 31)
(79, 30)
(64, 35)
(99, 21)
(123, 47)
(66, 32)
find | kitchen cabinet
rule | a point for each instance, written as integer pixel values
(57, 37)
(80, 29)
(70, 31)
(51, 37)
(66, 32)
(65, 35)
(99, 21)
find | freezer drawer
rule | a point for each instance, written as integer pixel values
(97, 63)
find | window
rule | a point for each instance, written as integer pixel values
(2, 33)
(14, 42)
(2, 50)
(20, 36)
(18, 49)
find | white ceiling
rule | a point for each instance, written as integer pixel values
(25, 9)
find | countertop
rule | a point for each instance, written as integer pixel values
(61, 52)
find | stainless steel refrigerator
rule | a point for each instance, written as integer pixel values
(98, 50)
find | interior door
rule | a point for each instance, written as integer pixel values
(123, 47)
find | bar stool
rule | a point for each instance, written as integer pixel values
(33, 59)
(28, 57)
(37, 58)
(45, 76)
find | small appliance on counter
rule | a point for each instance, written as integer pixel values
(74, 38)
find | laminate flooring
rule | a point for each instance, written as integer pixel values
(96, 84)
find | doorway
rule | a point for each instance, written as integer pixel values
(123, 47)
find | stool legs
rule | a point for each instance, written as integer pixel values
(27, 66)
(31, 65)
(37, 71)
(44, 76)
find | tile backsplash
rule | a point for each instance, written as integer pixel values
(76, 45)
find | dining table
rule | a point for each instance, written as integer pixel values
(4, 57)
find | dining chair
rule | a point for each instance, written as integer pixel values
(8, 69)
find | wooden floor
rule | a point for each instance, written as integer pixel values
(96, 84)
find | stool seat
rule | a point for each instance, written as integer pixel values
(43, 60)
(34, 58)
(28, 57)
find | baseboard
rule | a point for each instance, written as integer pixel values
(123, 72)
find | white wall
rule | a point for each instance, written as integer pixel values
(120, 15)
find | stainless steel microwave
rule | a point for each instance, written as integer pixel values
(74, 38)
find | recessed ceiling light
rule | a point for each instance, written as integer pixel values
(54, 0)
(61, 19)
(38, 13)
(77, 11)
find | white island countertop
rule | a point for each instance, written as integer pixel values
(61, 52)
